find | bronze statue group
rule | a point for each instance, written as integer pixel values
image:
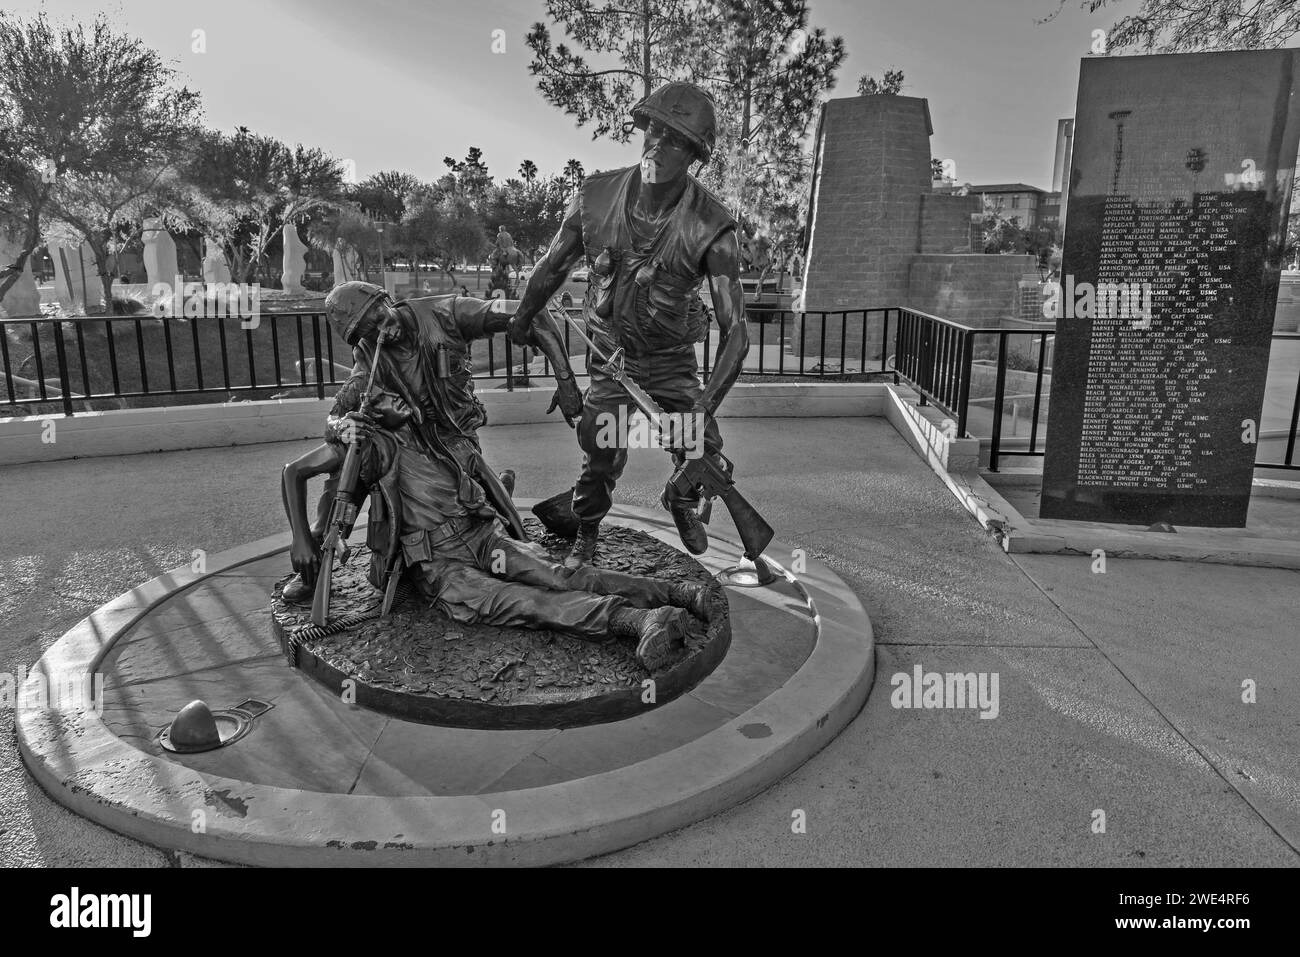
(404, 427)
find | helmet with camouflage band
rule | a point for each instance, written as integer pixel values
(348, 303)
(685, 108)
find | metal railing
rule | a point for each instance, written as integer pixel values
(74, 361)
(132, 357)
(849, 333)
(937, 358)
(66, 364)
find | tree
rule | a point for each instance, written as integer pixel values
(643, 43)
(444, 226)
(90, 125)
(889, 86)
(383, 195)
(1192, 26)
(530, 212)
(349, 226)
(1006, 234)
(768, 73)
(241, 190)
(764, 67)
(462, 236)
(528, 170)
(470, 175)
(421, 223)
(574, 173)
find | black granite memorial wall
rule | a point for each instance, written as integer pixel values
(1179, 191)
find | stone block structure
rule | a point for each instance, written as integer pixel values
(881, 235)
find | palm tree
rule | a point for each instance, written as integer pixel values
(528, 170)
(574, 173)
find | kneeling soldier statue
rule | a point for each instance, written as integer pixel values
(439, 516)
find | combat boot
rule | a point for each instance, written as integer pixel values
(660, 633)
(584, 545)
(297, 591)
(693, 596)
(690, 528)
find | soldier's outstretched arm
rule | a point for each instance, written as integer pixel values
(529, 328)
(480, 318)
(722, 263)
(548, 276)
(293, 489)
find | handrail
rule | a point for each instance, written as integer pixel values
(296, 350)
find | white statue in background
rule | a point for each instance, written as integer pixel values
(347, 265)
(159, 253)
(214, 263)
(23, 299)
(295, 260)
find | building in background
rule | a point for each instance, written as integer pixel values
(1018, 200)
(1064, 153)
(1054, 203)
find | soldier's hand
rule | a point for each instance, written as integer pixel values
(305, 557)
(390, 329)
(520, 330)
(568, 399)
(682, 433)
(358, 427)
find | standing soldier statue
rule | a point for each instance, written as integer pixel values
(651, 234)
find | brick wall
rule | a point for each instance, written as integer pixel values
(946, 223)
(972, 288)
(873, 165)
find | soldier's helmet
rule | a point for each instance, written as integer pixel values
(684, 107)
(347, 303)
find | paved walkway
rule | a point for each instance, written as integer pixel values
(1118, 692)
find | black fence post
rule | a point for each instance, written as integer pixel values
(923, 372)
(999, 393)
(320, 368)
(64, 384)
(1038, 393)
(963, 398)
(1295, 420)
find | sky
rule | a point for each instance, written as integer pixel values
(399, 84)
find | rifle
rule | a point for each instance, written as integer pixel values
(709, 474)
(343, 513)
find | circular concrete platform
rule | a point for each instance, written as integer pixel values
(418, 665)
(322, 782)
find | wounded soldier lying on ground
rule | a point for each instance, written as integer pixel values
(437, 511)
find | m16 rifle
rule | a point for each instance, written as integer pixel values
(707, 475)
(343, 510)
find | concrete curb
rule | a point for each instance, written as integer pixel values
(83, 765)
(1020, 535)
(955, 464)
(47, 438)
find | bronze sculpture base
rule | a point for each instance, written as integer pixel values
(419, 665)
